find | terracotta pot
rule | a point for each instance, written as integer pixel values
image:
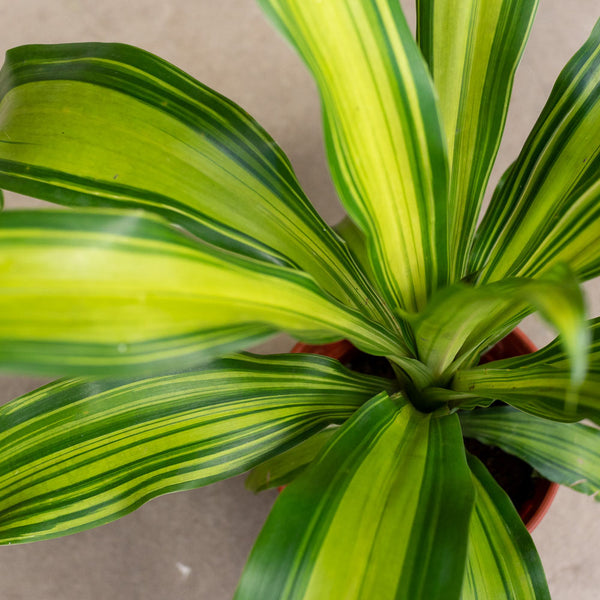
(515, 343)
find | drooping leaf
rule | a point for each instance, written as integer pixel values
(547, 209)
(102, 289)
(555, 353)
(285, 467)
(567, 453)
(539, 383)
(473, 48)
(383, 512)
(82, 452)
(502, 561)
(461, 321)
(383, 135)
(113, 125)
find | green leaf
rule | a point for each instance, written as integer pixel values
(539, 383)
(383, 512)
(112, 125)
(473, 48)
(106, 290)
(546, 211)
(543, 391)
(384, 138)
(567, 453)
(462, 321)
(502, 560)
(284, 468)
(82, 452)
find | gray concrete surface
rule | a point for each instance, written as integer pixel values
(193, 544)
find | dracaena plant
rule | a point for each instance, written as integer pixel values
(188, 239)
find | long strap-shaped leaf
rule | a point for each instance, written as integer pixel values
(112, 125)
(82, 452)
(567, 453)
(539, 383)
(473, 48)
(108, 289)
(546, 209)
(383, 134)
(382, 513)
(544, 391)
(461, 321)
(502, 560)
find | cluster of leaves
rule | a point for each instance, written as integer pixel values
(189, 238)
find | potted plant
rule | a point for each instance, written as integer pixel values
(189, 239)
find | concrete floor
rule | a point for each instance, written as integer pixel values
(193, 544)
